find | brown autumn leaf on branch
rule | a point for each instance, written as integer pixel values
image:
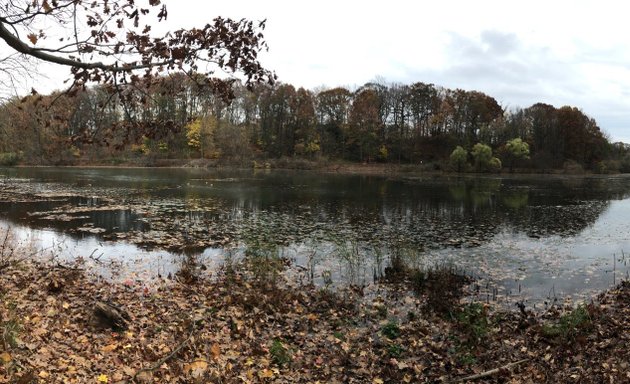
(32, 37)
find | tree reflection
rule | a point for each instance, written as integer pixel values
(293, 208)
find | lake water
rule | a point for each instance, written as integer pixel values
(529, 238)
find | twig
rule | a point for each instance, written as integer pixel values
(165, 358)
(490, 372)
(98, 258)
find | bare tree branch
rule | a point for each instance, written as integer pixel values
(101, 48)
(23, 48)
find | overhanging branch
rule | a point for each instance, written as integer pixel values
(20, 46)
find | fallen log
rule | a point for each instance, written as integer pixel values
(110, 315)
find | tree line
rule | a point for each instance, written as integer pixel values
(377, 122)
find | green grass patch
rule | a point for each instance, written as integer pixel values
(395, 350)
(280, 354)
(569, 325)
(473, 323)
(391, 330)
(340, 336)
(10, 327)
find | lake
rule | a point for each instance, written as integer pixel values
(534, 238)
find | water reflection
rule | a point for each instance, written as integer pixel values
(289, 207)
(346, 227)
(76, 214)
(515, 199)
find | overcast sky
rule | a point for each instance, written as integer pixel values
(520, 52)
(559, 52)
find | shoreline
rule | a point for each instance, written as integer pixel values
(342, 168)
(244, 326)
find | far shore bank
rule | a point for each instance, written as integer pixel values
(325, 166)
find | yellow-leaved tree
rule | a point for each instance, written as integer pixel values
(199, 136)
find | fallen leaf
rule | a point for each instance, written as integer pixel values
(196, 368)
(102, 379)
(265, 374)
(5, 357)
(129, 371)
(39, 332)
(215, 350)
(109, 348)
(144, 377)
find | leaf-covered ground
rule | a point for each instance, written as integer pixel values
(251, 324)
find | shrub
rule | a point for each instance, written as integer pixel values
(442, 285)
(484, 161)
(573, 168)
(473, 322)
(459, 159)
(624, 165)
(9, 159)
(494, 165)
(607, 166)
(516, 149)
(482, 154)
